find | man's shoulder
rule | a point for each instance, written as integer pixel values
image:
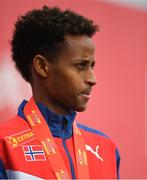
(12, 125)
(10, 121)
(93, 137)
(92, 130)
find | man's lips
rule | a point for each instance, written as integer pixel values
(86, 94)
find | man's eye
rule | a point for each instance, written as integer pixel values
(93, 65)
(82, 65)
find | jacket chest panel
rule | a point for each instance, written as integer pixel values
(27, 155)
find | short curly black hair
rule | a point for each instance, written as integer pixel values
(42, 31)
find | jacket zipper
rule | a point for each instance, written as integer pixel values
(64, 125)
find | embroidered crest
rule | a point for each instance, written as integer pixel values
(88, 148)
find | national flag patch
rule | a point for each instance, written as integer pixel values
(34, 153)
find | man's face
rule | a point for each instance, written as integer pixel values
(71, 78)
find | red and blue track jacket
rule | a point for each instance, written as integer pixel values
(22, 156)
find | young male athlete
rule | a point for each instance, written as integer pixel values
(54, 52)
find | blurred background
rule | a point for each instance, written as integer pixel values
(118, 105)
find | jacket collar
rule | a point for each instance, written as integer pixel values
(58, 124)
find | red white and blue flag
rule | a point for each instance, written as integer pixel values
(34, 153)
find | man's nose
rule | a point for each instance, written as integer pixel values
(91, 78)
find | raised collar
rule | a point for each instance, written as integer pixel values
(58, 124)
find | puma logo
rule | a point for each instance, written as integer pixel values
(88, 148)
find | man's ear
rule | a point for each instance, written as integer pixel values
(41, 65)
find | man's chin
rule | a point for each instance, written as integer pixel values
(81, 108)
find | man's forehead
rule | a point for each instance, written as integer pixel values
(77, 38)
(76, 42)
